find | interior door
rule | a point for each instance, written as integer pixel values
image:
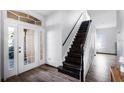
(27, 48)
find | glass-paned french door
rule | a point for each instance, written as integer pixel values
(22, 49)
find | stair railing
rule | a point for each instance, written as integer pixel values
(72, 30)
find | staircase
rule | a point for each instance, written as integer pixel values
(73, 64)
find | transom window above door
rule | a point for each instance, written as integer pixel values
(23, 17)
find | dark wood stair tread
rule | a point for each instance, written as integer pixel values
(73, 60)
(76, 45)
(72, 54)
(78, 39)
(74, 66)
(71, 73)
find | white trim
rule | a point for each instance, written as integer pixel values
(0, 43)
(4, 44)
(43, 47)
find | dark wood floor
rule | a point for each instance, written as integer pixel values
(43, 73)
(99, 72)
(100, 69)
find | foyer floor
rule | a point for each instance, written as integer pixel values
(100, 69)
(43, 73)
(99, 72)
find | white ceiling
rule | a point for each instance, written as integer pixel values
(103, 18)
(45, 12)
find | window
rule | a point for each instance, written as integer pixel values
(11, 39)
(23, 17)
(29, 50)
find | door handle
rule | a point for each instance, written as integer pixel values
(19, 49)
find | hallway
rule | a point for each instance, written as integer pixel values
(100, 69)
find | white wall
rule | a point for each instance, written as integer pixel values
(54, 39)
(106, 40)
(120, 30)
(0, 44)
(89, 48)
(105, 22)
(103, 18)
(69, 19)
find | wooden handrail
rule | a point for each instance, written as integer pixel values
(72, 29)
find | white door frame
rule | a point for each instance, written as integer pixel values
(16, 23)
(0, 42)
(7, 72)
